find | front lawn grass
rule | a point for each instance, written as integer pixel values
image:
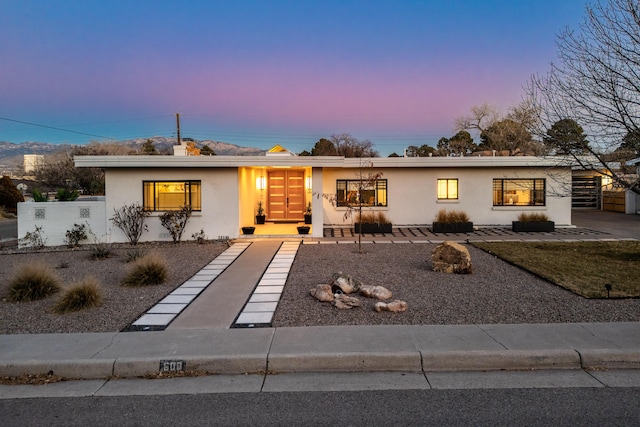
(581, 267)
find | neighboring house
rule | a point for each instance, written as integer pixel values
(224, 191)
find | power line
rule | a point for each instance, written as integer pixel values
(58, 129)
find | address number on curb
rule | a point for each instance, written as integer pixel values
(172, 365)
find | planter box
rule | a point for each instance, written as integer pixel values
(303, 229)
(533, 226)
(307, 219)
(260, 219)
(371, 228)
(248, 230)
(452, 227)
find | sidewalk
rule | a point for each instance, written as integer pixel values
(326, 349)
(202, 340)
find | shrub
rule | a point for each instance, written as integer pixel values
(10, 196)
(66, 195)
(130, 219)
(74, 236)
(176, 221)
(451, 216)
(39, 196)
(99, 249)
(33, 282)
(34, 239)
(82, 295)
(148, 270)
(133, 255)
(532, 217)
(199, 237)
(381, 218)
(367, 218)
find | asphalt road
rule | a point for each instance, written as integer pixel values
(8, 229)
(531, 407)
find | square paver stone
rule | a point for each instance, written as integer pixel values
(252, 318)
(167, 308)
(154, 320)
(264, 298)
(177, 299)
(269, 290)
(254, 307)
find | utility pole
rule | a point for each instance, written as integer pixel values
(178, 128)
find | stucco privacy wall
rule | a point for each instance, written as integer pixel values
(56, 218)
(412, 197)
(219, 215)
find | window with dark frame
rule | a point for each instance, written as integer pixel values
(349, 193)
(171, 195)
(447, 189)
(519, 192)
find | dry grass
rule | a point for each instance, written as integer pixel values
(151, 269)
(450, 217)
(581, 267)
(373, 218)
(79, 296)
(532, 217)
(33, 282)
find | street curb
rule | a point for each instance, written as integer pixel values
(610, 359)
(346, 362)
(82, 369)
(138, 367)
(492, 360)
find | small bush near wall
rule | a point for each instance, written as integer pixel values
(34, 239)
(74, 236)
(130, 219)
(176, 221)
(533, 216)
(452, 222)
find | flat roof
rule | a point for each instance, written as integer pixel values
(316, 161)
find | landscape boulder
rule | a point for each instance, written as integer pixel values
(345, 284)
(322, 293)
(395, 306)
(377, 292)
(451, 257)
(344, 301)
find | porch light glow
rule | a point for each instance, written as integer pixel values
(307, 183)
(261, 183)
(606, 180)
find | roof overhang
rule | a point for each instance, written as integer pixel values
(118, 162)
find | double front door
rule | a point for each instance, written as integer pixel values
(285, 195)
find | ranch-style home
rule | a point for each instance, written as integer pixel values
(224, 192)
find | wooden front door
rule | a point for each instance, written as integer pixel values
(285, 195)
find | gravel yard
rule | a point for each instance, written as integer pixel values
(496, 292)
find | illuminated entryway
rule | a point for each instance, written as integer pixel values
(285, 195)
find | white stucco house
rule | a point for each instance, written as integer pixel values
(224, 192)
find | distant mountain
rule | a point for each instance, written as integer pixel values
(10, 151)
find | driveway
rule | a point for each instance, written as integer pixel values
(615, 223)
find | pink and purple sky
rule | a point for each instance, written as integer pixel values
(259, 73)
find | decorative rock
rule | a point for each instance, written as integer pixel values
(344, 283)
(322, 293)
(395, 306)
(451, 257)
(343, 301)
(378, 292)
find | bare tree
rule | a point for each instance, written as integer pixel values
(597, 79)
(510, 132)
(348, 146)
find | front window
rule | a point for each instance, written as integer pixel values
(447, 189)
(353, 192)
(518, 192)
(171, 195)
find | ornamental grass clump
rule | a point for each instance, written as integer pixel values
(79, 296)
(33, 282)
(451, 217)
(149, 270)
(532, 217)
